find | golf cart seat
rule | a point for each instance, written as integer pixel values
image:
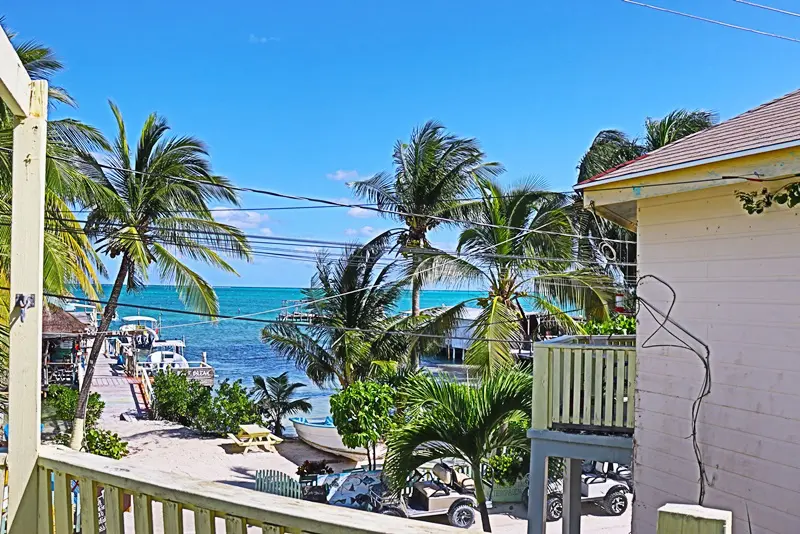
(450, 477)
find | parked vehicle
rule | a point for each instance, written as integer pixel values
(441, 491)
(604, 484)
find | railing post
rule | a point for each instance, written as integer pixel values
(25, 358)
(540, 418)
(693, 519)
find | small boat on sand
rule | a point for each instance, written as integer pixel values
(322, 434)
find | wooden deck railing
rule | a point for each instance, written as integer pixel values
(176, 504)
(585, 382)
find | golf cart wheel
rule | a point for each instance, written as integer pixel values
(555, 508)
(394, 512)
(615, 503)
(462, 515)
(525, 498)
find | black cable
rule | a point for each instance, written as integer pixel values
(705, 389)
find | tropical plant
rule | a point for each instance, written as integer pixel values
(433, 171)
(612, 148)
(314, 467)
(154, 212)
(618, 325)
(276, 398)
(63, 400)
(362, 415)
(446, 419)
(105, 443)
(522, 253)
(231, 406)
(355, 321)
(69, 258)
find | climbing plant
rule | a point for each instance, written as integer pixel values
(758, 201)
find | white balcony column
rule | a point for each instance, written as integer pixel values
(25, 359)
(572, 496)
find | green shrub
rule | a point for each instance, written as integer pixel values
(64, 401)
(178, 399)
(314, 467)
(619, 325)
(507, 468)
(105, 443)
(361, 414)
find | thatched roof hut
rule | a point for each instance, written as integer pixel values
(58, 323)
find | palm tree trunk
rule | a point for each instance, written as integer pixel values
(78, 426)
(481, 496)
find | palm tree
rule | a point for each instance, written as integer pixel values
(154, 211)
(432, 172)
(356, 331)
(445, 419)
(611, 148)
(522, 252)
(275, 398)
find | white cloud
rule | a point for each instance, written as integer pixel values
(351, 231)
(266, 231)
(343, 175)
(260, 39)
(360, 213)
(241, 219)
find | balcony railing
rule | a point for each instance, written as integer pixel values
(184, 504)
(585, 383)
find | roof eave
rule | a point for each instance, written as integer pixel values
(689, 164)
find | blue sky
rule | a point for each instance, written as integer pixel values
(291, 96)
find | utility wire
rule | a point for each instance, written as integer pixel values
(712, 21)
(768, 8)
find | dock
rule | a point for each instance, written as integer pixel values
(121, 393)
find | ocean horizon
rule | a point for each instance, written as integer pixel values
(234, 348)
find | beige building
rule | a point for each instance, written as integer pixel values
(736, 305)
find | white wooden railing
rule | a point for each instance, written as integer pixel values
(586, 382)
(185, 504)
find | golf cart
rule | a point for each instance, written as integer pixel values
(442, 491)
(602, 483)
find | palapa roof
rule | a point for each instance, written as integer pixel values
(57, 321)
(770, 126)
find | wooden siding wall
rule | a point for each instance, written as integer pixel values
(737, 279)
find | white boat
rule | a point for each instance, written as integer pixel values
(322, 434)
(167, 353)
(138, 333)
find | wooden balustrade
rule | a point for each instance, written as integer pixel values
(585, 382)
(176, 504)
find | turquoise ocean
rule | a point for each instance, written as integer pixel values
(234, 347)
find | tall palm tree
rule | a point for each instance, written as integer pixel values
(611, 148)
(445, 419)
(356, 323)
(154, 212)
(522, 252)
(432, 172)
(276, 398)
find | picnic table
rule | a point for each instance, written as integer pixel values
(251, 437)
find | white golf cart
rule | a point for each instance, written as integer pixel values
(441, 491)
(602, 483)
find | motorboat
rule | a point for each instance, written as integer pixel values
(322, 434)
(166, 354)
(138, 332)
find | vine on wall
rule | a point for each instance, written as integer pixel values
(758, 201)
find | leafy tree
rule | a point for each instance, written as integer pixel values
(433, 171)
(276, 398)
(517, 263)
(230, 407)
(618, 325)
(154, 211)
(362, 417)
(355, 319)
(445, 419)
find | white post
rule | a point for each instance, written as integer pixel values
(25, 360)
(203, 357)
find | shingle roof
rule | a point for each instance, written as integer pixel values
(772, 123)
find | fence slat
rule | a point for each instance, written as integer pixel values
(203, 522)
(587, 386)
(235, 525)
(566, 383)
(620, 385)
(577, 368)
(114, 520)
(45, 518)
(142, 514)
(608, 404)
(631, 389)
(88, 503)
(555, 386)
(173, 518)
(63, 504)
(598, 387)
